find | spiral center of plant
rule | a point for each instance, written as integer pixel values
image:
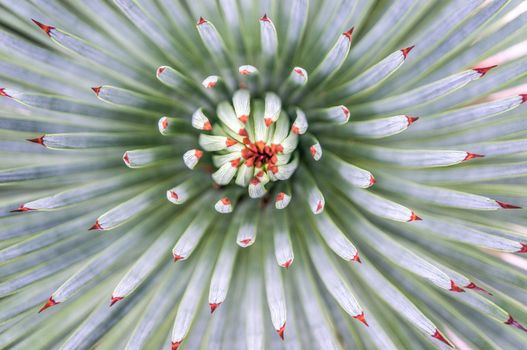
(251, 141)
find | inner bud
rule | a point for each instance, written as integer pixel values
(252, 141)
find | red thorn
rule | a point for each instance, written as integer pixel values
(39, 140)
(483, 71)
(523, 96)
(281, 331)
(49, 303)
(512, 322)
(125, 158)
(372, 181)
(164, 123)
(411, 120)
(96, 226)
(113, 300)
(523, 248)
(472, 285)
(21, 208)
(207, 126)
(176, 344)
(414, 217)
(299, 72)
(349, 33)
(47, 29)
(455, 288)
(214, 306)
(440, 337)
(178, 257)
(319, 206)
(246, 241)
(160, 70)
(268, 121)
(407, 50)
(201, 21)
(508, 206)
(3, 93)
(287, 263)
(265, 18)
(472, 156)
(97, 90)
(244, 118)
(362, 319)
(356, 258)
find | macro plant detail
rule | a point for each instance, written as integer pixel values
(324, 174)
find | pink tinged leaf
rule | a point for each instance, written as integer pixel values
(470, 156)
(48, 304)
(484, 70)
(47, 29)
(512, 322)
(210, 82)
(455, 288)
(114, 300)
(245, 242)
(281, 331)
(507, 206)
(214, 306)
(361, 318)
(474, 286)
(407, 50)
(96, 227)
(440, 337)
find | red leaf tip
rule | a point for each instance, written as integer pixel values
(455, 288)
(507, 206)
(356, 258)
(470, 156)
(414, 217)
(372, 181)
(484, 70)
(176, 344)
(49, 303)
(21, 208)
(113, 300)
(97, 90)
(349, 33)
(407, 50)
(3, 93)
(265, 18)
(361, 318)
(201, 21)
(178, 257)
(97, 226)
(512, 322)
(39, 140)
(523, 248)
(411, 119)
(214, 306)
(440, 337)
(474, 286)
(281, 331)
(47, 29)
(160, 70)
(523, 96)
(287, 263)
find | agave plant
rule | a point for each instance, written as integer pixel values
(261, 145)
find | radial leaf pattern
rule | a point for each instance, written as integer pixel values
(324, 174)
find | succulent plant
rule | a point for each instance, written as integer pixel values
(261, 145)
